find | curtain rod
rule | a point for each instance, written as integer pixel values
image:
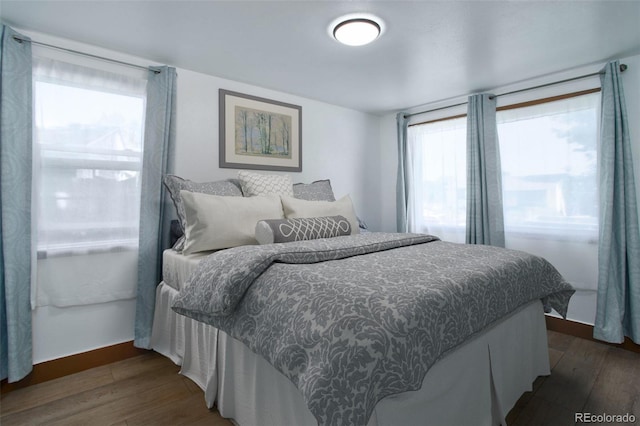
(623, 67)
(77, 52)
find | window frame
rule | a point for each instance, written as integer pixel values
(525, 232)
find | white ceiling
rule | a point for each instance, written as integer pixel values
(429, 51)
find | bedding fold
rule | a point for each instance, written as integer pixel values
(353, 319)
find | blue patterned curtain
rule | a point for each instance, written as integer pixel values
(404, 180)
(15, 206)
(618, 309)
(485, 223)
(158, 143)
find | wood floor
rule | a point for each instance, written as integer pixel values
(586, 377)
(147, 390)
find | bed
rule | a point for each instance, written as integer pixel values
(370, 329)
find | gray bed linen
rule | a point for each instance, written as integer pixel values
(350, 320)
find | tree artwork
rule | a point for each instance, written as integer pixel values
(262, 133)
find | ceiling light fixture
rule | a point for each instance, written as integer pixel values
(356, 30)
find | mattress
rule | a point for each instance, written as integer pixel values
(177, 267)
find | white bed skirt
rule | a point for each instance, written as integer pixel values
(477, 384)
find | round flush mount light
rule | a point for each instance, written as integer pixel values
(356, 30)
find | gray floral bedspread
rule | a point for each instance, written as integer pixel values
(353, 319)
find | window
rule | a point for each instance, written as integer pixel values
(88, 139)
(549, 181)
(88, 146)
(437, 201)
(549, 168)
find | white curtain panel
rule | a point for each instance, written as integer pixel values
(549, 179)
(437, 197)
(89, 125)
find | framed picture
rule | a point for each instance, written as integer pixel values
(259, 134)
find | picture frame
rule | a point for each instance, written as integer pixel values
(258, 133)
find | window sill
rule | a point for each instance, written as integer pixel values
(585, 236)
(83, 249)
(577, 235)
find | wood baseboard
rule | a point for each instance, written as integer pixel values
(584, 331)
(71, 364)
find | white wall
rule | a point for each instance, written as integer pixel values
(583, 304)
(338, 143)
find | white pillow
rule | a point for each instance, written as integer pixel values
(294, 207)
(216, 222)
(260, 184)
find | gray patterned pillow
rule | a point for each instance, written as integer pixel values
(299, 229)
(264, 184)
(175, 184)
(319, 190)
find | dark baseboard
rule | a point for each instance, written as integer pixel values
(71, 364)
(584, 331)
